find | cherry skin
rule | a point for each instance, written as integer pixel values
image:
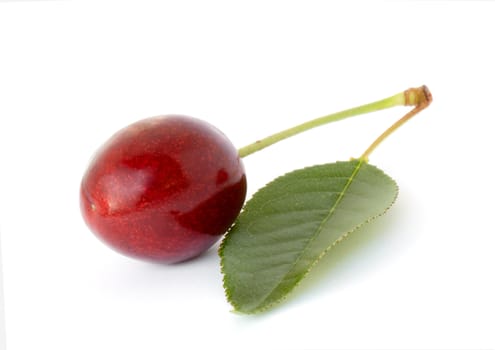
(163, 189)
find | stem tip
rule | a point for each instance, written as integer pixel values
(418, 96)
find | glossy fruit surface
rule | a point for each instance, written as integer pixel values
(164, 188)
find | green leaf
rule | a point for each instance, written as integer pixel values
(288, 225)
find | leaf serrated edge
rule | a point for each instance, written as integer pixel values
(226, 289)
(315, 262)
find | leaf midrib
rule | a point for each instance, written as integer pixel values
(317, 232)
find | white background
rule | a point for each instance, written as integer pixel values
(72, 73)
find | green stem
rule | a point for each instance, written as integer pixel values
(421, 98)
(392, 101)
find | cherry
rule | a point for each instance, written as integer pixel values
(163, 189)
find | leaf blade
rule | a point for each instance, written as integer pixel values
(288, 225)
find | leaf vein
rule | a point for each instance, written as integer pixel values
(320, 227)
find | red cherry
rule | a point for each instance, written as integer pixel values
(164, 188)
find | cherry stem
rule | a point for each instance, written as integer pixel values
(418, 97)
(404, 98)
